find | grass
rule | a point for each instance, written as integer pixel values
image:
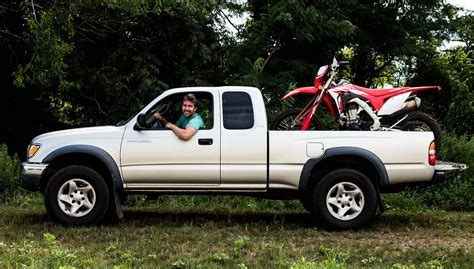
(178, 232)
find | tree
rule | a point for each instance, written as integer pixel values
(82, 63)
(390, 30)
(97, 61)
(283, 43)
(453, 70)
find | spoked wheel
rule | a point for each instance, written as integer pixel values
(77, 195)
(285, 121)
(345, 199)
(423, 122)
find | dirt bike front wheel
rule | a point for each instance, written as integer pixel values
(285, 121)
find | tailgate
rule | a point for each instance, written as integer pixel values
(449, 166)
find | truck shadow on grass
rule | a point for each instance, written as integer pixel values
(143, 217)
(221, 217)
(291, 220)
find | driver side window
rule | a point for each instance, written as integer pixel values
(170, 108)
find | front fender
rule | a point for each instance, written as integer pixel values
(314, 91)
(99, 153)
(302, 90)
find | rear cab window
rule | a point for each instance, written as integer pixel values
(237, 111)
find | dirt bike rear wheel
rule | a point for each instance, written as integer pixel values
(421, 121)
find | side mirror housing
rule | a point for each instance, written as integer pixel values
(141, 122)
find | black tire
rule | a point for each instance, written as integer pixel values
(356, 201)
(284, 120)
(85, 196)
(421, 121)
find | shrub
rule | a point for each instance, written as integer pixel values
(9, 174)
(455, 193)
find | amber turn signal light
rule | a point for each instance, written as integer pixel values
(33, 149)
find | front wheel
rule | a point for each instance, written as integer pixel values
(322, 120)
(421, 121)
(345, 199)
(77, 195)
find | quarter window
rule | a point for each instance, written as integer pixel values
(238, 110)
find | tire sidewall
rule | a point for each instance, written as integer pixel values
(328, 182)
(86, 174)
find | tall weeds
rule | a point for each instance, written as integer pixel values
(9, 174)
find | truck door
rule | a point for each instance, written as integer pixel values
(155, 158)
(244, 140)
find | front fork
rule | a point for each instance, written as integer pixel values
(308, 119)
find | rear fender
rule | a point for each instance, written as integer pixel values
(424, 88)
(318, 165)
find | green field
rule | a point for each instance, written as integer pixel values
(177, 232)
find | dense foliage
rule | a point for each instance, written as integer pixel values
(9, 174)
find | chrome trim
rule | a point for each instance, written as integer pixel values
(447, 166)
(184, 190)
(33, 169)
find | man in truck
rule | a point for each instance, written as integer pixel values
(189, 122)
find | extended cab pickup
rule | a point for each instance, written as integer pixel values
(337, 175)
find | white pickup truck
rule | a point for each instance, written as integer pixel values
(337, 175)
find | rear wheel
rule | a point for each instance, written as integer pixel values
(345, 199)
(77, 195)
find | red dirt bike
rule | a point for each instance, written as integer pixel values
(356, 108)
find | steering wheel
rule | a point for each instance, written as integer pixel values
(152, 121)
(156, 125)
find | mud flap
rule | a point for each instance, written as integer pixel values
(379, 198)
(118, 205)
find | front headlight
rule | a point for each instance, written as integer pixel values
(32, 149)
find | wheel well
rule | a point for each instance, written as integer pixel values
(84, 159)
(342, 161)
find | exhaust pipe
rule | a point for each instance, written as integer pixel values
(409, 106)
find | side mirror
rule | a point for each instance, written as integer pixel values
(141, 122)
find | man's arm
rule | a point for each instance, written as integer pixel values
(184, 134)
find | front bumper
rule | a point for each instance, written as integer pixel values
(31, 175)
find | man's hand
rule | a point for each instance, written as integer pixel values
(162, 119)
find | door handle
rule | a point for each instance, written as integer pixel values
(205, 141)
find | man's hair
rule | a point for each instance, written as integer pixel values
(191, 98)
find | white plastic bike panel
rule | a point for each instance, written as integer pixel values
(393, 104)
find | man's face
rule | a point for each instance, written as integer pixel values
(188, 108)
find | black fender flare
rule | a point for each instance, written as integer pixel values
(97, 152)
(343, 151)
